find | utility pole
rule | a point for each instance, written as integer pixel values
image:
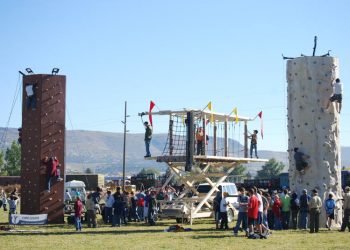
(124, 122)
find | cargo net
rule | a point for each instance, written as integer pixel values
(176, 140)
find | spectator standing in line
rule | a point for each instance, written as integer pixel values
(78, 211)
(285, 200)
(216, 207)
(260, 211)
(12, 206)
(145, 208)
(304, 209)
(109, 201)
(152, 208)
(140, 205)
(90, 211)
(3, 197)
(270, 216)
(315, 206)
(253, 210)
(67, 196)
(346, 207)
(133, 207)
(329, 205)
(118, 210)
(294, 207)
(242, 213)
(96, 197)
(223, 211)
(277, 212)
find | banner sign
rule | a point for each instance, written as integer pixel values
(28, 219)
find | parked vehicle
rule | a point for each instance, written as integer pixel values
(183, 209)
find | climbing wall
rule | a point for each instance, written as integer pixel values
(43, 134)
(313, 130)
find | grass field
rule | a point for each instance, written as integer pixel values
(140, 236)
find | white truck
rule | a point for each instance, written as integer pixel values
(183, 209)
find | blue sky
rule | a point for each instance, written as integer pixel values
(177, 53)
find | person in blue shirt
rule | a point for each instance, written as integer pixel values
(304, 209)
(329, 206)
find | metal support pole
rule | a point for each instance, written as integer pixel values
(226, 138)
(171, 139)
(124, 144)
(215, 139)
(190, 141)
(245, 140)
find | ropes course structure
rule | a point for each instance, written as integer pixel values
(202, 147)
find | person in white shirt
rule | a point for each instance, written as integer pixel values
(223, 211)
(337, 95)
(108, 207)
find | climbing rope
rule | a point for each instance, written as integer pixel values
(17, 91)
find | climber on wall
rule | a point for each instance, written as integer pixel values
(337, 95)
(300, 160)
(52, 165)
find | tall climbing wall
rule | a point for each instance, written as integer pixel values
(313, 130)
(43, 134)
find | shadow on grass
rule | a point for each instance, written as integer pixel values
(89, 231)
(73, 232)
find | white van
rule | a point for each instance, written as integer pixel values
(232, 197)
(180, 209)
(76, 188)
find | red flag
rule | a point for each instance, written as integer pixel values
(151, 106)
(261, 125)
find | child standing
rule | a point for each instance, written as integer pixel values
(329, 206)
(12, 206)
(78, 210)
(223, 211)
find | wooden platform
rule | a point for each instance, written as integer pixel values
(205, 158)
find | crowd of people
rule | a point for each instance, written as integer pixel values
(9, 202)
(260, 211)
(121, 207)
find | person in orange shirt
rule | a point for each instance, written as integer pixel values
(200, 141)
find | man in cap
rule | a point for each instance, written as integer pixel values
(315, 206)
(346, 206)
(304, 208)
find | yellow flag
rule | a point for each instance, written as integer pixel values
(209, 106)
(211, 116)
(236, 113)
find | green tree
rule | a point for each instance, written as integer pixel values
(13, 159)
(271, 169)
(88, 171)
(239, 170)
(145, 171)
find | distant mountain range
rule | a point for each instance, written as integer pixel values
(102, 152)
